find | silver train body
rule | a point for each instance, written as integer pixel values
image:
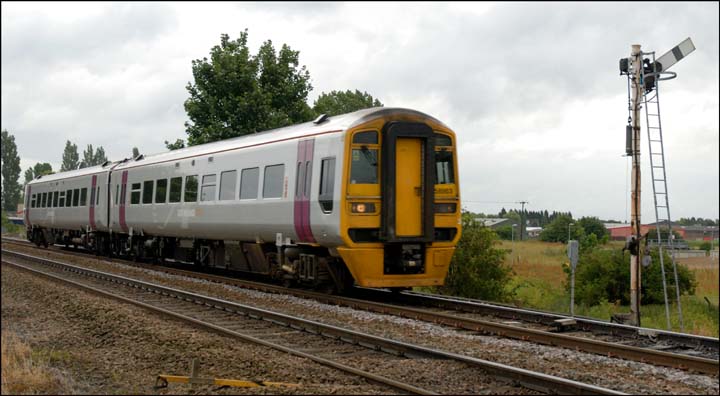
(258, 194)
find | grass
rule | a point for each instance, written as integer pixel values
(28, 371)
(539, 282)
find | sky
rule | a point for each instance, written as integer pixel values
(532, 90)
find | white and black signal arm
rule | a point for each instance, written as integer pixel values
(654, 70)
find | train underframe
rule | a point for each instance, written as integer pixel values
(305, 265)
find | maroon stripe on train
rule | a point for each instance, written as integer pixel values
(300, 185)
(301, 206)
(309, 149)
(27, 207)
(92, 202)
(123, 224)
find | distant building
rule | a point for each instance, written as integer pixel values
(533, 232)
(620, 231)
(699, 233)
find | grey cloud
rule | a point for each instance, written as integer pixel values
(95, 42)
(501, 79)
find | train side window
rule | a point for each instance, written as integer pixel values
(249, 181)
(369, 137)
(83, 196)
(161, 191)
(207, 193)
(55, 199)
(61, 199)
(135, 191)
(32, 201)
(76, 197)
(43, 200)
(147, 191)
(117, 194)
(68, 198)
(364, 167)
(175, 189)
(97, 196)
(327, 184)
(191, 188)
(228, 182)
(273, 181)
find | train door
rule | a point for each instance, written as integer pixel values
(408, 185)
(303, 185)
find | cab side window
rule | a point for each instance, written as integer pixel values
(327, 184)
(364, 166)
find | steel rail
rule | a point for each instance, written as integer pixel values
(548, 318)
(532, 380)
(644, 355)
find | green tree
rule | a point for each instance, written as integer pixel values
(477, 268)
(100, 157)
(70, 158)
(338, 102)
(40, 169)
(593, 225)
(557, 230)
(235, 93)
(505, 232)
(179, 143)
(29, 175)
(10, 164)
(92, 158)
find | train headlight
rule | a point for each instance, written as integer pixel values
(363, 207)
(445, 207)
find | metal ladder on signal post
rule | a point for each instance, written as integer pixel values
(658, 173)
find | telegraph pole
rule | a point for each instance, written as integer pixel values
(636, 253)
(522, 219)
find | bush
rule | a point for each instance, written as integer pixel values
(477, 269)
(605, 275)
(8, 227)
(705, 246)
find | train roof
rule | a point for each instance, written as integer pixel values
(338, 123)
(91, 170)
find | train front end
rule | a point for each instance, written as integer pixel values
(401, 217)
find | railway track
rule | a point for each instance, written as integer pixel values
(328, 345)
(677, 350)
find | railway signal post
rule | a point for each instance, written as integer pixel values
(643, 75)
(634, 243)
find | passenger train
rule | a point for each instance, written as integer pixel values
(369, 198)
